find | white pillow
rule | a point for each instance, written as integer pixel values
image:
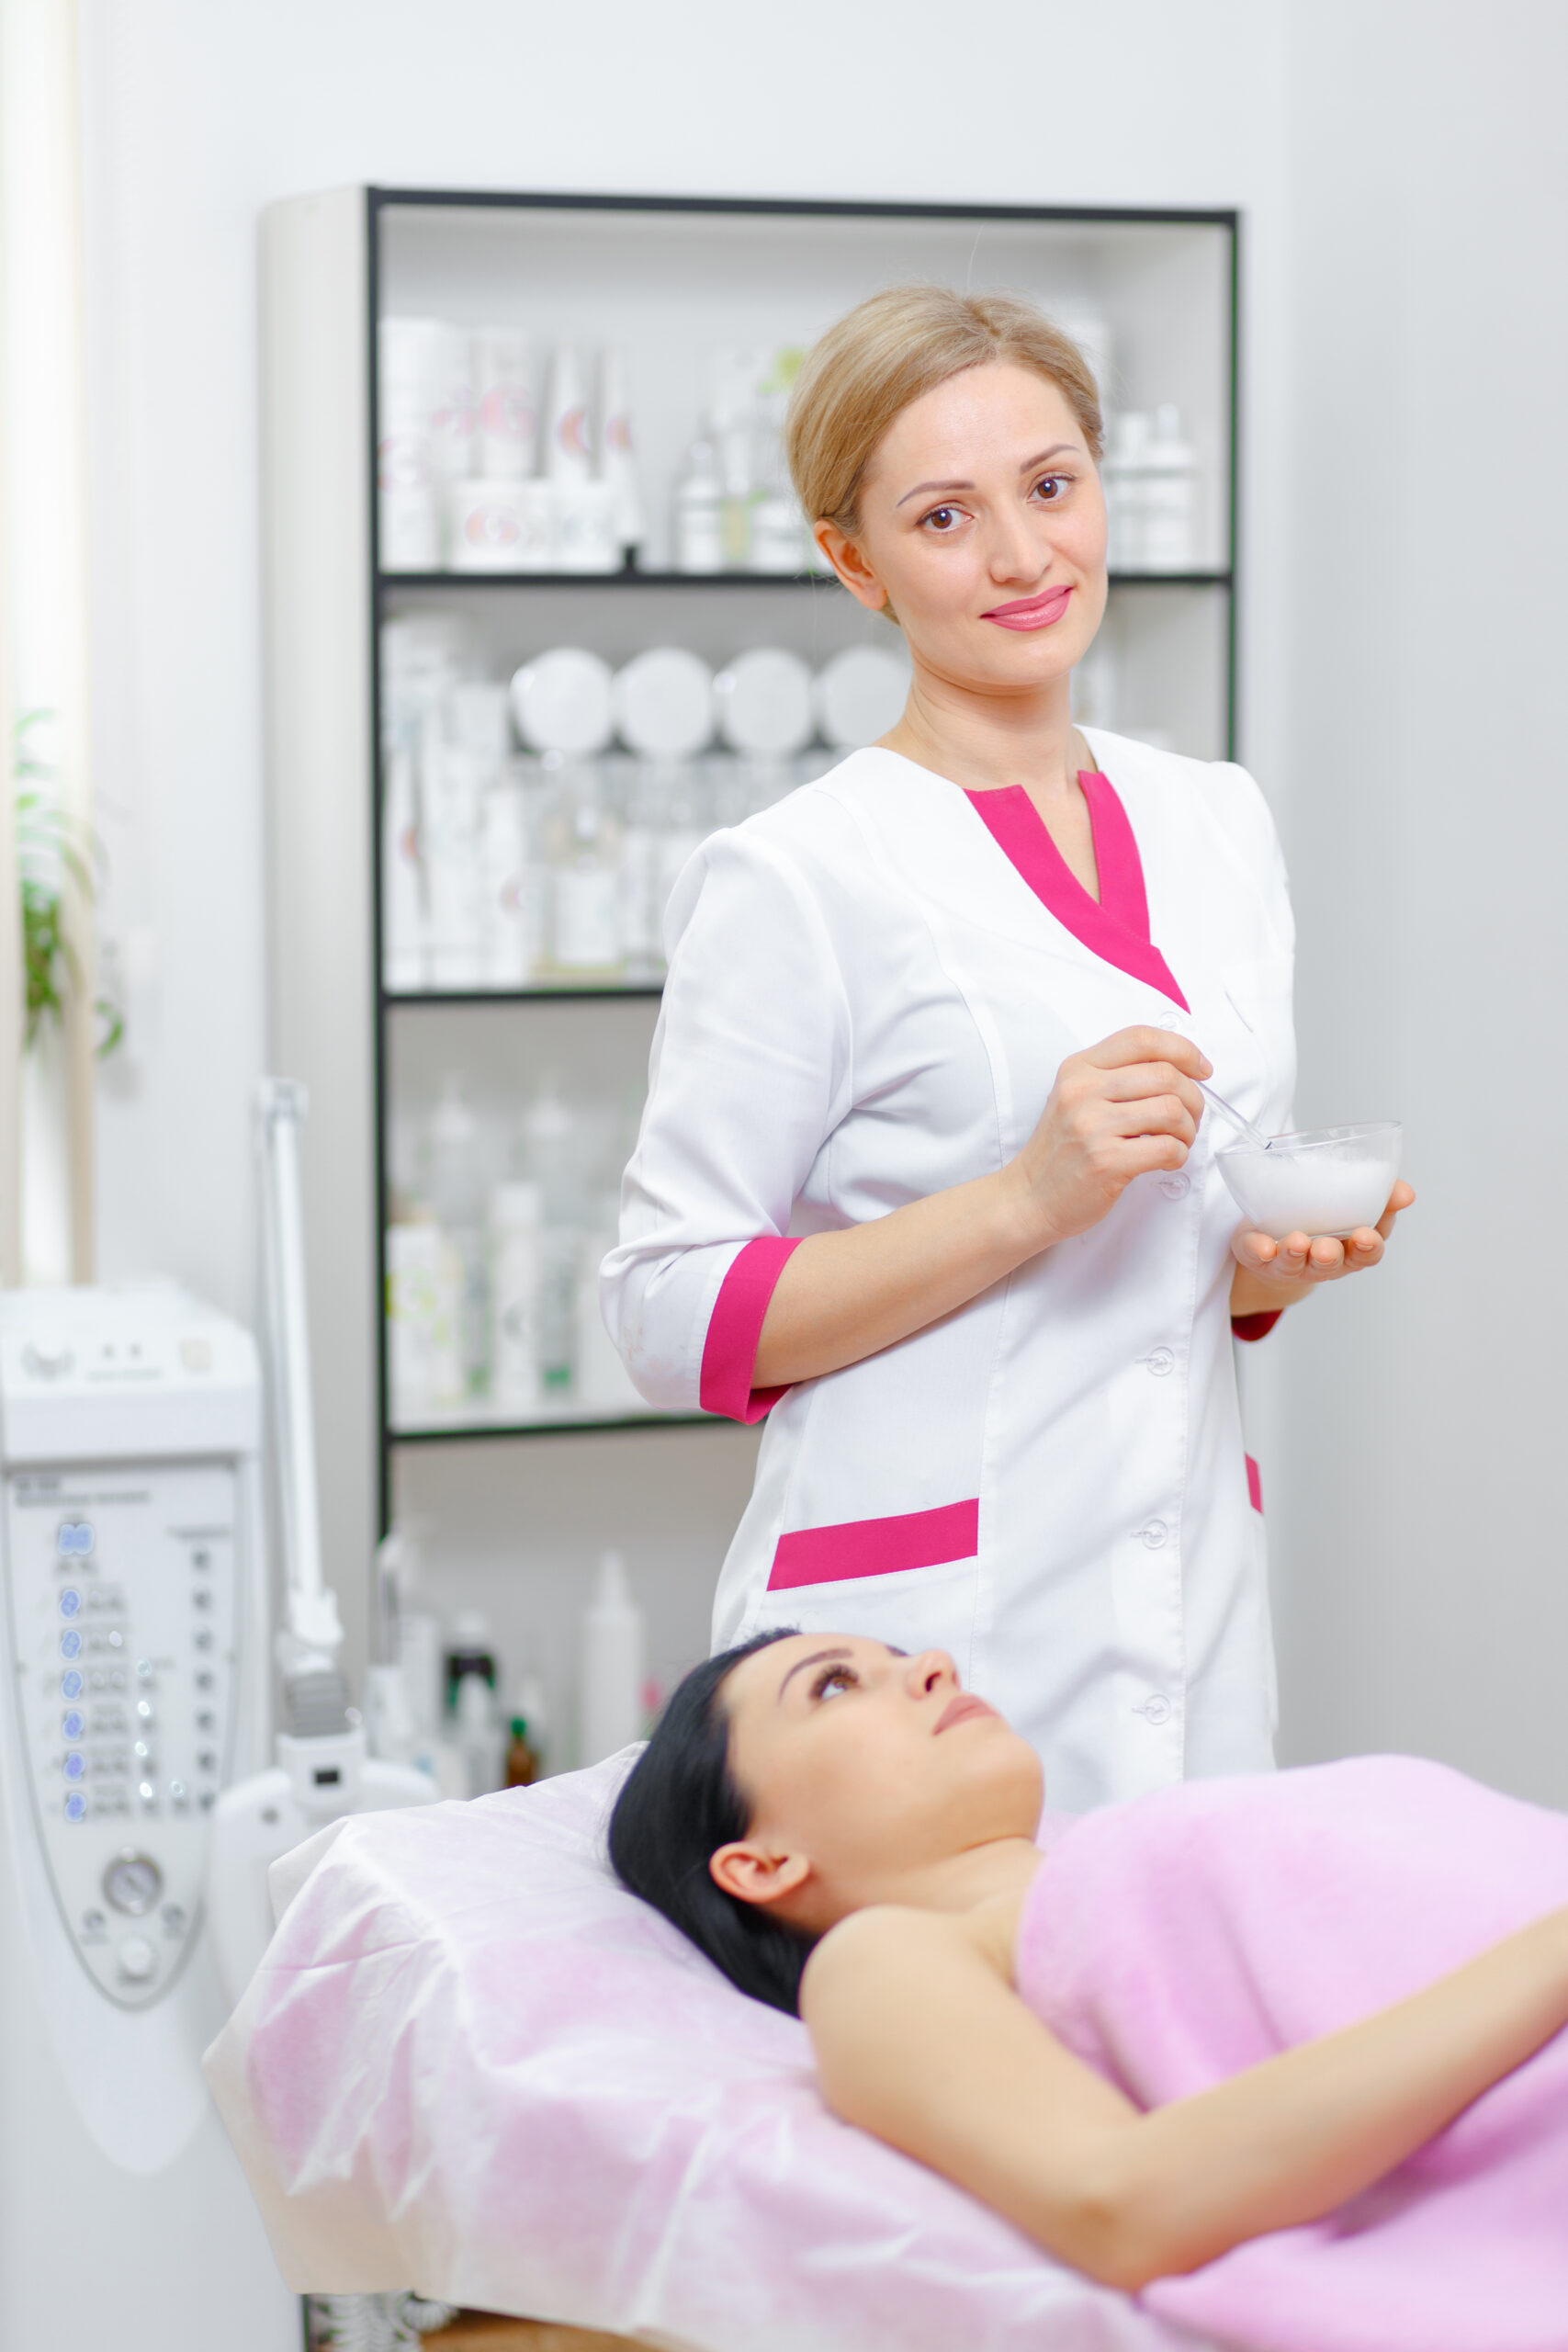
(472, 2063)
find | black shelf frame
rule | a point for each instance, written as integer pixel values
(394, 999)
(382, 201)
(591, 1425)
(389, 584)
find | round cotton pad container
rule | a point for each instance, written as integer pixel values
(859, 695)
(763, 700)
(663, 703)
(1329, 1179)
(561, 702)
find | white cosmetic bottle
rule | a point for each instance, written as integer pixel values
(477, 1736)
(408, 362)
(612, 1665)
(1169, 495)
(699, 511)
(403, 872)
(475, 737)
(586, 937)
(567, 456)
(617, 457)
(552, 1159)
(516, 1213)
(1124, 474)
(457, 1195)
(503, 392)
(424, 1316)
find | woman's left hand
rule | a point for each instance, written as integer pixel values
(1275, 1274)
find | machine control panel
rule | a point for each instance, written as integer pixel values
(121, 1590)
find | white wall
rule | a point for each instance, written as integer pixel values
(1401, 172)
(1418, 1524)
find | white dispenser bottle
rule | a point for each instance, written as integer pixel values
(612, 1665)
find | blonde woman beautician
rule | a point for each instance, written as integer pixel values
(923, 1172)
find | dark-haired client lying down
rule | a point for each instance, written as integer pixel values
(1289, 2046)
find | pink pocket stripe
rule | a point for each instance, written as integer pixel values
(876, 1548)
(729, 1350)
(1253, 1486)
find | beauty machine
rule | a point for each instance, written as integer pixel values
(133, 1635)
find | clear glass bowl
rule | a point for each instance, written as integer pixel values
(1328, 1180)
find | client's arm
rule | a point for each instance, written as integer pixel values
(921, 2039)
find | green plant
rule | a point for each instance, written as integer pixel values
(53, 848)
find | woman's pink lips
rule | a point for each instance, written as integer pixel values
(1030, 612)
(958, 1710)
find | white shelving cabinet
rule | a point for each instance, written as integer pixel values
(513, 1511)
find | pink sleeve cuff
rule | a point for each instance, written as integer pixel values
(729, 1350)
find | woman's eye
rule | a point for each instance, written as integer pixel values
(941, 518)
(842, 1677)
(1052, 488)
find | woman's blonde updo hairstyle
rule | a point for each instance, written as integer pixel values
(891, 350)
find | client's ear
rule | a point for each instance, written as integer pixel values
(753, 1874)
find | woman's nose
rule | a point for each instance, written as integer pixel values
(1016, 550)
(928, 1671)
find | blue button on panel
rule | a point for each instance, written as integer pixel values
(74, 1724)
(70, 1685)
(74, 1767)
(71, 1644)
(75, 1805)
(70, 1601)
(75, 1538)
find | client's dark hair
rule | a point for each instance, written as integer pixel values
(679, 1805)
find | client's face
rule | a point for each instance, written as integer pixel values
(863, 1768)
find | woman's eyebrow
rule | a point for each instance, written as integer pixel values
(1026, 467)
(816, 1659)
(920, 486)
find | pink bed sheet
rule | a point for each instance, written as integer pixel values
(472, 2065)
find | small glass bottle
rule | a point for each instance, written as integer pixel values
(524, 1762)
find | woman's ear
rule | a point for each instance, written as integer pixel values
(851, 566)
(753, 1874)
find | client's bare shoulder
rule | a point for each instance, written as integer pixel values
(889, 1944)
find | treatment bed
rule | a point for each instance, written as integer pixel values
(472, 2063)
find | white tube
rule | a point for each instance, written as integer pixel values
(311, 1607)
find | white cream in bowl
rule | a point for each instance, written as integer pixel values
(1329, 1179)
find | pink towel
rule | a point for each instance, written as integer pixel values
(1176, 1939)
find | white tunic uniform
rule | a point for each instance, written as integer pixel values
(868, 1003)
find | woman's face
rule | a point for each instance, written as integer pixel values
(982, 523)
(862, 1766)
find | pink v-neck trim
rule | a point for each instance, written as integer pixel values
(1116, 926)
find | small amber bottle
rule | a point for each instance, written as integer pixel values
(522, 1758)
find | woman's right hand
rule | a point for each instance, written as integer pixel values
(1118, 1110)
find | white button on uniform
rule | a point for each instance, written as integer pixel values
(1176, 1187)
(1159, 1361)
(1157, 1710)
(137, 1959)
(1154, 1533)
